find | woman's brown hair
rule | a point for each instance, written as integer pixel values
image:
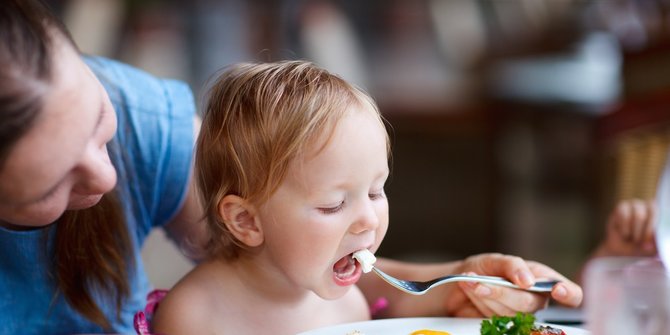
(93, 250)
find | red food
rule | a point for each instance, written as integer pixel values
(546, 330)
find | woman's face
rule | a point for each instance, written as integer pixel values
(62, 161)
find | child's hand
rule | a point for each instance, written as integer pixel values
(630, 230)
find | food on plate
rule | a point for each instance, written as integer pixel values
(365, 258)
(520, 324)
(546, 330)
(429, 332)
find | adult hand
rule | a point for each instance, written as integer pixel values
(484, 300)
(630, 230)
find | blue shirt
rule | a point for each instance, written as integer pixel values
(152, 152)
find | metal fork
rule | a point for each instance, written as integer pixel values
(419, 288)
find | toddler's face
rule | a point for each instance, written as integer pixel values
(331, 204)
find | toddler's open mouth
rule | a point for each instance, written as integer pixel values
(345, 267)
(348, 269)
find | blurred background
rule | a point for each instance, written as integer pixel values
(516, 124)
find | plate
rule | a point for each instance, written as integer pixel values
(405, 326)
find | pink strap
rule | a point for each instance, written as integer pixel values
(141, 324)
(378, 306)
(141, 321)
(153, 298)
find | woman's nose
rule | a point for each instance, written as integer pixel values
(367, 218)
(96, 174)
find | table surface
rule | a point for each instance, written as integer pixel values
(558, 315)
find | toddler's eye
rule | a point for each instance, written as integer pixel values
(377, 195)
(332, 210)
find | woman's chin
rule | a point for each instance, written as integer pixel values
(84, 202)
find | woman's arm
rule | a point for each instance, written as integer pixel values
(187, 229)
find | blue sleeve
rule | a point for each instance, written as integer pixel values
(153, 148)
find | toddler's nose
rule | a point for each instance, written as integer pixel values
(366, 220)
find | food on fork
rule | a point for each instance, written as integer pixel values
(365, 258)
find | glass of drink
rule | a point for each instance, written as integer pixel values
(627, 295)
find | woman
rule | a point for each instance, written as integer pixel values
(61, 155)
(94, 154)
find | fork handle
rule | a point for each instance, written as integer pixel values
(540, 286)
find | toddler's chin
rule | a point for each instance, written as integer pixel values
(333, 293)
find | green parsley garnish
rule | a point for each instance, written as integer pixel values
(520, 324)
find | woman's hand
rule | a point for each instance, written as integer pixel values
(484, 300)
(469, 299)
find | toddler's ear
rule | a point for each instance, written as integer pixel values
(240, 219)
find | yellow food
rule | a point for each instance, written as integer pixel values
(429, 332)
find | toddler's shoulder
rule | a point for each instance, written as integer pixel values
(205, 299)
(184, 309)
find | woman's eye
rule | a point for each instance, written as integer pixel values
(332, 210)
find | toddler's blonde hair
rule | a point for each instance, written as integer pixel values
(257, 119)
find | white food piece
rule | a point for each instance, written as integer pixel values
(366, 259)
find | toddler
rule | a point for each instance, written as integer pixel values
(291, 164)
